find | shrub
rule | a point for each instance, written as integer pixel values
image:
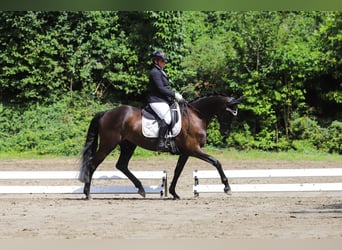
(241, 139)
(333, 138)
(214, 137)
(308, 136)
(59, 128)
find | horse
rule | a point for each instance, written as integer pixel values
(123, 126)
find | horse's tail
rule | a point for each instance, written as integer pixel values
(89, 149)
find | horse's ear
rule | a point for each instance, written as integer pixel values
(238, 100)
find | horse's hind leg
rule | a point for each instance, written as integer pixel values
(127, 150)
(99, 156)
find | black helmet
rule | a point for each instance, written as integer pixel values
(159, 55)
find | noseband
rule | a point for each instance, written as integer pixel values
(233, 112)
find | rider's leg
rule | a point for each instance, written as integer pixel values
(163, 127)
(163, 111)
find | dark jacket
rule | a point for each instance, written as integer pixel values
(159, 88)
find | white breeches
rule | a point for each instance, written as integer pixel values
(162, 109)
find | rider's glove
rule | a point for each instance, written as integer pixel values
(179, 97)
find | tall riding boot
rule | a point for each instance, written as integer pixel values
(163, 127)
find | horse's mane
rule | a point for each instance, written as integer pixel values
(206, 96)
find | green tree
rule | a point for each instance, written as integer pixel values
(169, 36)
(287, 64)
(295, 58)
(326, 88)
(27, 58)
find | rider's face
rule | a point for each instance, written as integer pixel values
(161, 63)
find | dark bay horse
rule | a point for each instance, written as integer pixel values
(122, 126)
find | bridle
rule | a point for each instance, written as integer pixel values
(232, 111)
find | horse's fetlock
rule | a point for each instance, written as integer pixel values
(120, 167)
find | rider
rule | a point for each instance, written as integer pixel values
(160, 94)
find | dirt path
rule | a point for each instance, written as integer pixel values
(240, 216)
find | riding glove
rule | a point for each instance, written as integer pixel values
(179, 97)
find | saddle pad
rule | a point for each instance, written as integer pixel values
(150, 127)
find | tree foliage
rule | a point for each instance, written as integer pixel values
(287, 64)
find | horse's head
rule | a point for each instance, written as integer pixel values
(226, 114)
(223, 107)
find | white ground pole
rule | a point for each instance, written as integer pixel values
(161, 188)
(200, 175)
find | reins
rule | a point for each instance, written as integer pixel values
(186, 112)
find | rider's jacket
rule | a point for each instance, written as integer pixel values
(159, 88)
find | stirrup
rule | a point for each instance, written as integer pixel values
(161, 144)
(173, 147)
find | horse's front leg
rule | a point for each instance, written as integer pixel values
(212, 160)
(178, 170)
(224, 179)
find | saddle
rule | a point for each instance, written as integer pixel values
(150, 122)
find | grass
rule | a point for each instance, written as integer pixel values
(227, 154)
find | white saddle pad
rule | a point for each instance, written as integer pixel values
(150, 127)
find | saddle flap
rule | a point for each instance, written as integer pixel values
(148, 113)
(150, 122)
(174, 109)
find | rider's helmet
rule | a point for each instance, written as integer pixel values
(159, 55)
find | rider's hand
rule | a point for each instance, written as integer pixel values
(179, 97)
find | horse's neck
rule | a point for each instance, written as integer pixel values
(206, 110)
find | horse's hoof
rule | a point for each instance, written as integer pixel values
(88, 198)
(142, 193)
(227, 190)
(175, 196)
